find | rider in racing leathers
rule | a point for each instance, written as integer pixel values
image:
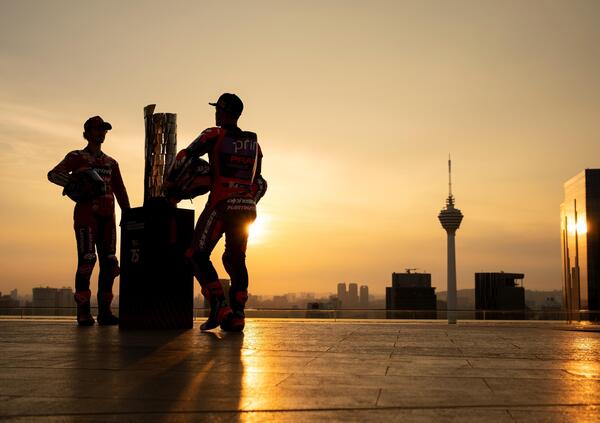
(237, 185)
(94, 221)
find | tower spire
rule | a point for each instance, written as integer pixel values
(449, 176)
(450, 200)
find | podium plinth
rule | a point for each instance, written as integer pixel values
(157, 284)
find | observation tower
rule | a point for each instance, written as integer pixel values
(450, 218)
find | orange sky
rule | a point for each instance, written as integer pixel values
(356, 104)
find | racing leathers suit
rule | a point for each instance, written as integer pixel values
(237, 185)
(94, 224)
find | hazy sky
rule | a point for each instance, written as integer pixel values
(357, 105)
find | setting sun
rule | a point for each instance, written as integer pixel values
(258, 229)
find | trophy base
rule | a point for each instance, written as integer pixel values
(157, 284)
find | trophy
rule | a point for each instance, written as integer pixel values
(156, 288)
(160, 151)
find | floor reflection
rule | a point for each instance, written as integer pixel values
(161, 372)
(586, 350)
(583, 363)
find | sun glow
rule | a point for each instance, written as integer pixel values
(258, 230)
(581, 226)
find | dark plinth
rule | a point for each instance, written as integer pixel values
(157, 286)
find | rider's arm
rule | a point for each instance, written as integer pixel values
(59, 175)
(118, 188)
(259, 185)
(204, 142)
(199, 147)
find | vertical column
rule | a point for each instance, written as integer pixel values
(171, 141)
(451, 279)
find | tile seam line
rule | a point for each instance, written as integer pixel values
(575, 376)
(401, 354)
(296, 410)
(488, 385)
(378, 396)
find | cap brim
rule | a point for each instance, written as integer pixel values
(213, 104)
(106, 126)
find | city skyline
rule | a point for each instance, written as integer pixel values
(355, 118)
(15, 293)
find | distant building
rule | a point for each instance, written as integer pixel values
(411, 291)
(64, 301)
(8, 305)
(342, 295)
(252, 300)
(500, 292)
(321, 310)
(352, 296)
(348, 299)
(53, 301)
(364, 296)
(44, 301)
(551, 309)
(580, 244)
(280, 301)
(320, 306)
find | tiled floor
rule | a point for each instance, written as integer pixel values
(291, 370)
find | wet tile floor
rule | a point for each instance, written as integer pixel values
(300, 370)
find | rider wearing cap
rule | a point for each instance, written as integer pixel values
(237, 185)
(94, 220)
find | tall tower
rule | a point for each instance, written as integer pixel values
(342, 295)
(352, 295)
(450, 218)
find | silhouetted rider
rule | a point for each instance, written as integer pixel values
(90, 178)
(237, 185)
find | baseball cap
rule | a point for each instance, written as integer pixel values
(230, 103)
(96, 122)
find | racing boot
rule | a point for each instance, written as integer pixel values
(105, 316)
(219, 309)
(84, 315)
(236, 321)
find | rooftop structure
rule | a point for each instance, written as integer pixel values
(411, 291)
(580, 244)
(500, 291)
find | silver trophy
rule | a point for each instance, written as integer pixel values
(161, 148)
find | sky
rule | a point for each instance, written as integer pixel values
(356, 104)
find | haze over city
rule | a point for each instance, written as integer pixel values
(356, 116)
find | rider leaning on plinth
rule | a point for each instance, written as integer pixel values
(90, 177)
(237, 185)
